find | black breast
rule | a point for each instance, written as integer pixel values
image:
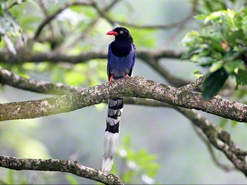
(120, 49)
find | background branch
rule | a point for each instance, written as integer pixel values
(211, 151)
(57, 165)
(54, 15)
(42, 6)
(91, 25)
(112, 21)
(24, 56)
(15, 3)
(219, 138)
(11, 79)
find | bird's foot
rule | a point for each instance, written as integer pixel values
(126, 76)
(111, 80)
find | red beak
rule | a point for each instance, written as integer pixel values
(112, 33)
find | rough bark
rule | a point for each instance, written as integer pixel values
(132, 87)
(60, 166)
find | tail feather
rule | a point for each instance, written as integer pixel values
(115, 108)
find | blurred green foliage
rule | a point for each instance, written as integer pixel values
(221, 46)
(10, 179)
(209, 6)
(8, 27)
(71, 179)
(76, 19)
(135, 167)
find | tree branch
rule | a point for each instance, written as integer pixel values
(132, 87)
(215, 136)
(159, 26)
(218, 138)
(111, 21)
(153, 63)
(211, 151)
(90, 25)
(36, 86)
(60, 166)
(45, 12)
(15, 3)
(54, 15)
(9, 78)
(194, 85)
(24, 57)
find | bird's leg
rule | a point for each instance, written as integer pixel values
(111, 80)
(126, 76)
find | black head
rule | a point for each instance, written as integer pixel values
(120, 33)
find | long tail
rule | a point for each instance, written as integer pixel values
(115, 109)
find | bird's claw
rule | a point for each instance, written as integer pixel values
(111, 80)
(126, 76)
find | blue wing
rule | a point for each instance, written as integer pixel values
(108, 63)
(120, 66)
(133, 59)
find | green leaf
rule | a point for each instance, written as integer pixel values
(213, 83)
(241, 77)
(220, 44)
(233, 36)
(200, 17)
(214, 16)
(214, 43)
(230, 66)
(9, 24)
(9, 44)
(189, 37)
(216, 65)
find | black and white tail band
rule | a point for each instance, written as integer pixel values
(115, 109)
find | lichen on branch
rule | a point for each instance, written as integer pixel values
(132, 87)
(69, 166)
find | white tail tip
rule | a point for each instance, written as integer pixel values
(107, 164)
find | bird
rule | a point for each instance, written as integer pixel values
(121, 61)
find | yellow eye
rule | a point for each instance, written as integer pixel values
(121, 32)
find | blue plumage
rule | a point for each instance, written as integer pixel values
(121, 60)
(120, 66)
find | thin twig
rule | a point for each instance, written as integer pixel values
(52, 16)
(165, 73)
(183, 21)
(211, 151)
(213, 134)
(14, 80)
(194, 85)
(42, 6)
(90, 26)
(15, 3)
(111, 21)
